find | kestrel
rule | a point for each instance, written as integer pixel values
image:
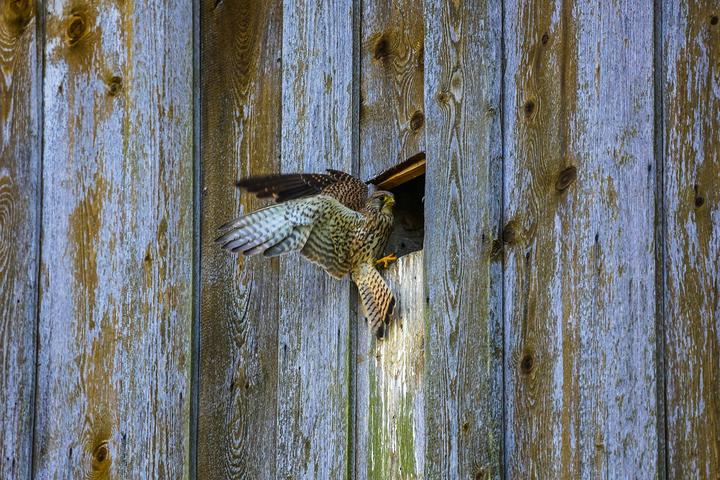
(329, 219)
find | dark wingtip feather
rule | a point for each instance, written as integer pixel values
(391, 308)
(380, 333)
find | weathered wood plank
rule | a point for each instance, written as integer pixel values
(390, 417)
(463, 379)
(691, 105)
(391, 84)
(314, 318)
(19, 163)
(387, 386)
(116, 286)
(241, 91)
(580, 267)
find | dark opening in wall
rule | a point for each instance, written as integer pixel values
(407, 182)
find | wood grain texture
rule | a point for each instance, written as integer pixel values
(691, 105)
(579, 240)
(19, 164)
(392, 116)
(116, 276)
(390, 430)
(463, 379)
(388, 373)
(314, 317)
(241, 91)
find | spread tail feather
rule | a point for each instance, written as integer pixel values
(376, 298)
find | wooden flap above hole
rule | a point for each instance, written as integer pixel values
(411, 168)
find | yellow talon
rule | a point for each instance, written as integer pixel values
(386, 260)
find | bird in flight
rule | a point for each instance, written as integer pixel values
(330, 219)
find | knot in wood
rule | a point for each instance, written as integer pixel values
(76, 30)
(529, 108)
(509, 233)
(101, 457)
(17, 15)
(545, 38)
(417, 120)
(382, 48)
(527, 363)
(714, 20)
(480, 474)
(114, 85)
(566, 177)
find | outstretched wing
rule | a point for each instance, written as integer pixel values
(320, 227)
(376, 298)
(347, 189)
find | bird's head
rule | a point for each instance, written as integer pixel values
(382, 201)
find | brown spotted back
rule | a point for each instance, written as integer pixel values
(347, 189)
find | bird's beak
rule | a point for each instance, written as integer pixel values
(390, 202)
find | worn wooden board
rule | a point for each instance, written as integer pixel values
(116, 278)
(241, 91)
(580, 370)
(463, 343)
(314, 314)
(390, 430)
(391, 84)
(388, 373)
(691, 130)
(19, 164)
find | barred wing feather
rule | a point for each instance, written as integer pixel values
(320, 227)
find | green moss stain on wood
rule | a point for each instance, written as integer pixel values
(691, 106)
(390, 413)
(388, 395)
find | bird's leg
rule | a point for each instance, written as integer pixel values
(386, 260)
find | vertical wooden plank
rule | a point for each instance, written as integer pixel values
(388, 376)
(313, 332)
(19, 163)
(391, 84)
(241, 88)
(390, 415)
(691, 104)
(579, 278)
(463, 379)
(116, 286)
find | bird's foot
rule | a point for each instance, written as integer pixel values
(385, 261)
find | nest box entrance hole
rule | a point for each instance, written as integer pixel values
(407, 182)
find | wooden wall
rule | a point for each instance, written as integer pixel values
(561, 321)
